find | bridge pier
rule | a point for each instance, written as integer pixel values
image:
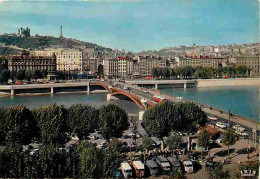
(111, 97)
(156, 86)
(185, 85)
(52, 90)
(12, 92)
(141, 115)
(88, 88)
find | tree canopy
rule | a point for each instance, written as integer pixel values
(113, 120)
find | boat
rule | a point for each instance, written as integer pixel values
(158, 99)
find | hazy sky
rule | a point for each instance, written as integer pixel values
(137, 24)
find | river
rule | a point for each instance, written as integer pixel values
(241, 100)
(66, 99)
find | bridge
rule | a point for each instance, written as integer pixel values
(156, 83)
(141, 99)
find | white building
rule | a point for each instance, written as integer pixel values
(67, 59)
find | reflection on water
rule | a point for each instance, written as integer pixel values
(241, 100)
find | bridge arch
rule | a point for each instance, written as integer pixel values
(136, 101)
(101, 84)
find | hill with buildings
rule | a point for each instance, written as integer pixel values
(40, 42)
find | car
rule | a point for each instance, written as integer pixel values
(213, 118)
(92, 137)
(193, 156)
(126, 88)
(221, 125)
(102, 144)
(238, 127)
(209, 164)
(146, 91)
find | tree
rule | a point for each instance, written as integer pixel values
(229, 138)
(20, 75)
(154, 72)
(18, 126)
(174, 140)
(112, 159)
(217, 172)
(165, 72)
(157, 120)
(90, 164)
(173, 73)
(29, 75)
(37, 74)
(203, 140)
(52, 121)
(82, 120)
(100, 70)
(176, 173)
(147, 143)
(113, 121)
(165, 117)
(4, 75)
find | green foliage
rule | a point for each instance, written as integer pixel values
(165, 117)
(112, 159)
(203, 139)
(113, 120)
(176, 173)
(174, 140)
(52, 121)
(18, 126)
(4, 75)
(89, 161)
(82, 120)
(218, 173)
(100, 70)
(154, 72)
(21, 75)
(147, 143)
(229, 137)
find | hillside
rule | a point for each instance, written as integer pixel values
(46, 42)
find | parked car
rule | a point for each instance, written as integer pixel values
(152, 167)
(175, 163)
(102, 144)
(221, 125)
(238, 127)
(188, 166)
(146, 91)
(164, 164)
(118, 174)
(209, 164)
(213, 118)
(92, 137)
(139, 169)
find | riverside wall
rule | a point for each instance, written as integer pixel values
(228, 82)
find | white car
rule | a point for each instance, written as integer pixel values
(238, 127)
(146, 91)
(213, 118)
(221, 125)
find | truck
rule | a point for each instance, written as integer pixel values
(139, 168)
(163, 164)
(175, 163)
(152, 167)
(126, 170)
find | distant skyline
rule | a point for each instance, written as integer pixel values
(137, 25)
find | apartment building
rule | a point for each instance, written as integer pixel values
(252, 62)
(25, 61)
(204, 61)
(110, 68)
(125, 66)
(67, 59)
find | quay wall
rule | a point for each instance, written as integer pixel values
(228, 82)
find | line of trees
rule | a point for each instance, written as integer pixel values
(200, 72)
(28, 75)
(51, 127)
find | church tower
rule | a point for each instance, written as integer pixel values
(61, 36)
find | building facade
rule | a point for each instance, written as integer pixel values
(29, 62)
(204, 61)
(69, 60)
(110, 68)
(252, 62)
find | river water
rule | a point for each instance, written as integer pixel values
(241, 100)
(93, 99)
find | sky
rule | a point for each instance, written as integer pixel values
(136, 25)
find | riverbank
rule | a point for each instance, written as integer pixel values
(228, 82)
(216, 112)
